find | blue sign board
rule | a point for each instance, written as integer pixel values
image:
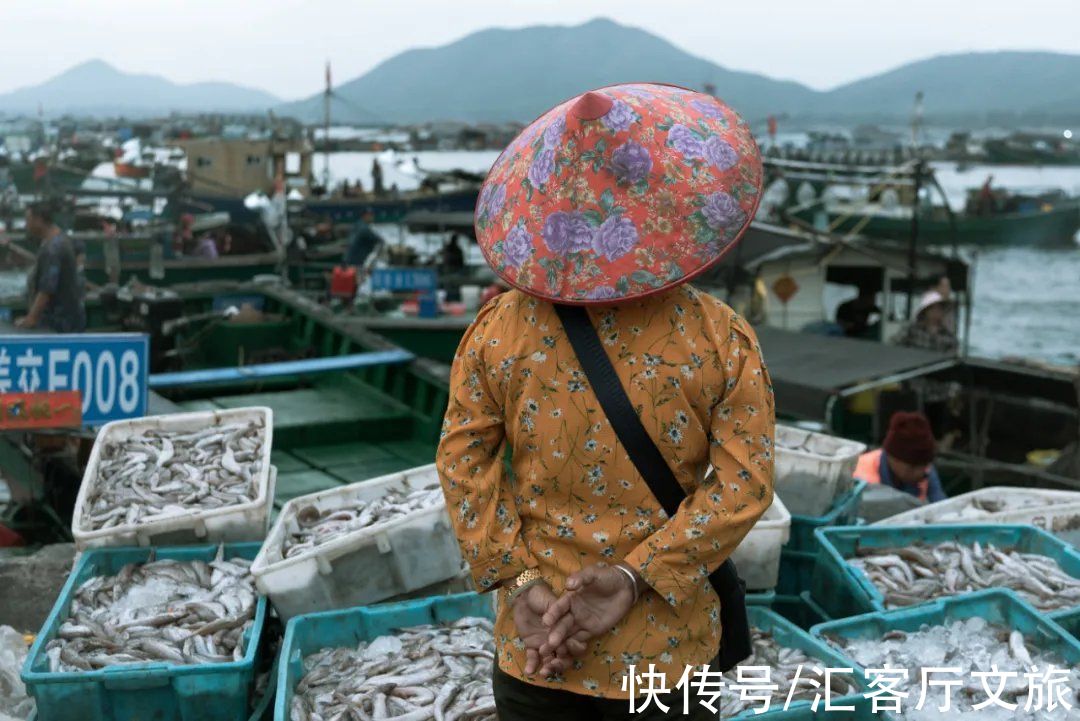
(5, 315)
(404, 279)
(110, 370)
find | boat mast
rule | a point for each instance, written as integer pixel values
(326, 130)
(913, 245)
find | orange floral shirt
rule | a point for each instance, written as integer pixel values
(694, 372)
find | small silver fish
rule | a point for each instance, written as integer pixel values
(425, 672)
(164, 610)
(311, 527)
(161, 473)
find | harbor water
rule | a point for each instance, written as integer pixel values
(1026, 300)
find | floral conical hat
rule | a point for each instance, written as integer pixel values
(619, 193)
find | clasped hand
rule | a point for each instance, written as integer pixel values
(556, 629)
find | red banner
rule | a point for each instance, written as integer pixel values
(56, 409)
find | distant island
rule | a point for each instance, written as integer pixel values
(496, 75)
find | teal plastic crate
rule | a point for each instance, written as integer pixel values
(845, 591)
(796, 572)
(157, 691)
(844, 512)
(764, 598)
(802, 610)
(1070, 621)
(308, 633)
(788, 634)
(996, 606)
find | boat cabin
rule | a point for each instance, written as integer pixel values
(237, 167)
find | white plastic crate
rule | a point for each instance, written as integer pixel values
(229, 524)
(365, 566)
(1057, 512)
(812, 469)
(758, 556)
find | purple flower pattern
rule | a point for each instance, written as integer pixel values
(709, 108)
(721, 210)
(631, 162)
(553, 134)
(518, 246)
(685, 141)
(619, 117)
(492, 200)
(543, 165)
(602, 292)
(566, 233)
(720, 153)
(616, 237)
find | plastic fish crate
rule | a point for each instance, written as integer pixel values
(801, 610)
(843, 512)
(1070, 621)
(231, 524)
(1060, 515)
(158, 691)
(813, 469)
(364, 566)
(309, 633)
(998, 606)
(845, 591)
(758, 556)
(796, 572)
(790, 635)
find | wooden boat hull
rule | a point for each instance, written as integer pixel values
(128, 170)
(389, 210)
(1056, 226)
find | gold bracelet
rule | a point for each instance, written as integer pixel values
(526, 578)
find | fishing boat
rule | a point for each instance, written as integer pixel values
(1048, 219)
(348, 404)
(884, 201)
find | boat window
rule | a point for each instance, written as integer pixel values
(292, 163)
(203, 162)
(254, 160)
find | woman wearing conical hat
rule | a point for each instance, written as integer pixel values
(613, 200)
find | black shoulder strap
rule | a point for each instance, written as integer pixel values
(624, 420)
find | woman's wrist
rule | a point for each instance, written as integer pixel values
(633, 579)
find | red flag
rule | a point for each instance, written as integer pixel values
(772, 126)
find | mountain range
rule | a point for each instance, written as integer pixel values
(97, 88)
(515, 74)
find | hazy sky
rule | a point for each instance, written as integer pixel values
(281, 45)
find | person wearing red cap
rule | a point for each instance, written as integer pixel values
(611, 201)
(905, 460)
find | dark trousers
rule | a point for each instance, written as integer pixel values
(516, 700)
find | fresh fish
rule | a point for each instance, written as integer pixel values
(312, 527)
(161, 473)
(424, 672)
(166, 610)
(970, 645)
(919, 573)
(784, 662)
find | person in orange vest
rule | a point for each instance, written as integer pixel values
(905, 460)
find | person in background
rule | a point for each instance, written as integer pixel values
(986, 197)
(376, 176)
(932, 328)
(453, 257)
(55, 288)
(854, 315)
(905, 460)
(570, 536)
(206, 247)
(363, 240)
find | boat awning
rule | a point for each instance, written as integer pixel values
(808, 369)
(276, 370)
